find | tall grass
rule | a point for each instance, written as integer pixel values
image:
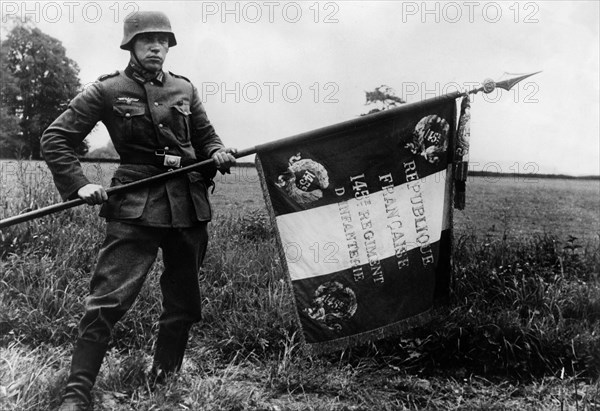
(526, 309)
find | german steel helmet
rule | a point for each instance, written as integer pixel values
(146, 22)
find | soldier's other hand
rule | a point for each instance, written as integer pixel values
(92, 194)
(224, 158)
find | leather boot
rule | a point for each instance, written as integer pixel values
(168, 355)
(85, 365)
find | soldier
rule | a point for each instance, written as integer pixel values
(156, 122)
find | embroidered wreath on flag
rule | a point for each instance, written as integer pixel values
(304, 180)
(430, 138)
(332, 304)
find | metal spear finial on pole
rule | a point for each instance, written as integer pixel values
(487, 87)
(490, 85)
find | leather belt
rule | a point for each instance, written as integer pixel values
(159, 158)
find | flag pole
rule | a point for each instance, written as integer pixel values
(487, 87)
(31, 215)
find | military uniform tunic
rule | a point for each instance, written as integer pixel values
(143, 118)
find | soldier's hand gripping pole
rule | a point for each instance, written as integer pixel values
(31, 215)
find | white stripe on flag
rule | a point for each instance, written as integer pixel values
(340, 236)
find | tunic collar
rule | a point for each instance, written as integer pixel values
(139, 74)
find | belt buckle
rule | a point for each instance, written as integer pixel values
(172, 161)
(168, 159)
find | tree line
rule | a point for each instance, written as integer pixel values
(37, 82)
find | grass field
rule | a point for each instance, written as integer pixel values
(522, 330)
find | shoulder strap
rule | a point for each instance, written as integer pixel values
(178, 76)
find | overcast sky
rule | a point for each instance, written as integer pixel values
(271, 69)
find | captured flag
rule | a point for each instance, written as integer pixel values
(363, 215)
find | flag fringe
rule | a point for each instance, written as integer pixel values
(386, 331)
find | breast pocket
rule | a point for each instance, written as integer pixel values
(129, 119)
(181, 121)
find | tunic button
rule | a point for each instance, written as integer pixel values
(167, 148)
(127, 115)
(156, 104)
(160, 125)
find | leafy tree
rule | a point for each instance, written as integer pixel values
(46, 79)
(384, 97)
(9, 123)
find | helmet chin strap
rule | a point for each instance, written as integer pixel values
(137, 60)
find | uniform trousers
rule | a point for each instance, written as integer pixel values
(125, 258)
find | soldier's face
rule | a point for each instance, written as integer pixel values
(151, 50)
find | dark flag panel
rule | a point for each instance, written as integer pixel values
(316, 172)
(364, 221)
